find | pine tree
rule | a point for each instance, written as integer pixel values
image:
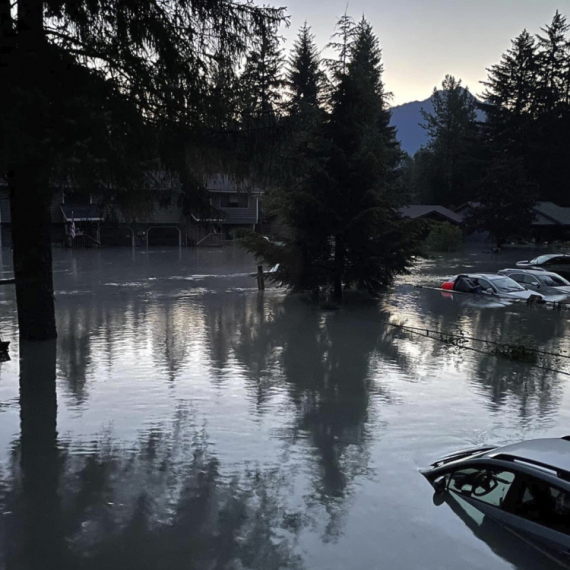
(340, 207)
(262, 82)
(451, 130)
(554, 56)
(305, 79)
(370, 241)
(505, 199)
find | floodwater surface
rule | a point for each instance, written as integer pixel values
(184, 420)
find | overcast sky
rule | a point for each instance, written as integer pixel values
(422, 40)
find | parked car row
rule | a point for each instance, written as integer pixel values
(529, 281)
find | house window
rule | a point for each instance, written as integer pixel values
(234, 201)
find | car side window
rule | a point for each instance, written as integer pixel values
(530, 280)
(486, 484)
(518, 277)
(485, 284)
(542, 503)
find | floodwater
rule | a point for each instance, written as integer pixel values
(184, 420)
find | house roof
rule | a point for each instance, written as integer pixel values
(558, 214)
(75, 213)
(421, 211)
(545, 213)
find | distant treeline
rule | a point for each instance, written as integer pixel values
(524, 137)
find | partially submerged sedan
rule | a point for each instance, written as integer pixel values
(525, 486)
(557, 262)
(490, 284)
(548, 283)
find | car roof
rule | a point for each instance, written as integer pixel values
(536, 272)
(485, 275)
(549, 452)
(552, 255)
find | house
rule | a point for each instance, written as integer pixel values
(81, 219)
(551, 222)
(238, 203)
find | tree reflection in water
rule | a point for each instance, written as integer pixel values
(162, 503)
(324, 362)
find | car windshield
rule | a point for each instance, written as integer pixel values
(541, 259)
(507, 284)
(553, 280)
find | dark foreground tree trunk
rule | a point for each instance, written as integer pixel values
(28, 175)
(30, 208)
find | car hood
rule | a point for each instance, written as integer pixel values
(521, 294)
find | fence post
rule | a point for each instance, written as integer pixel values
(260, 278)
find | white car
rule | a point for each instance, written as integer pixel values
(490, 284)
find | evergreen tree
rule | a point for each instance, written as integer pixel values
(305, 79)
(451, 130)
(262, 82)
(527, 116)
(505, 198)
(554, 58)
(341, 207)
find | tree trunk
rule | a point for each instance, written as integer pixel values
(338, 268)
(30, 200)
(28, 178)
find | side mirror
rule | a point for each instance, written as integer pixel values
(440, 485)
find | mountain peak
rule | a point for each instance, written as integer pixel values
(407, 118)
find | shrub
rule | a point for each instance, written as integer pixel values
(444, 236)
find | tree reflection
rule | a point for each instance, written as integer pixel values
(163, 502)
(324, 362)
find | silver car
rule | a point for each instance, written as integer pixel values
(490, 284)
(545, 282)
(556, 262)
(525, 487)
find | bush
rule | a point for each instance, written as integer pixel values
(444, 236)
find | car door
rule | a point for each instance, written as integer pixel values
(484, 486)
(541, 511)
(486, 286)
(519, 278)
(531, 282)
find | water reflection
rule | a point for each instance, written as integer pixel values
(303, 410)
(160, 504)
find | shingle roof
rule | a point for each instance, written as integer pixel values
(558, 214)
(420, 211)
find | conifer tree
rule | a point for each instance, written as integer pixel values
(341, 208)
(305, 78)
(451, 129)
(262, 82)
(554, 57)
(505, 199)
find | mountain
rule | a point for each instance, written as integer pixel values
(407, 118)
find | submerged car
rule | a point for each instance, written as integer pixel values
(525, 486)
(549, 283)
(556, 262)
(490, 284)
